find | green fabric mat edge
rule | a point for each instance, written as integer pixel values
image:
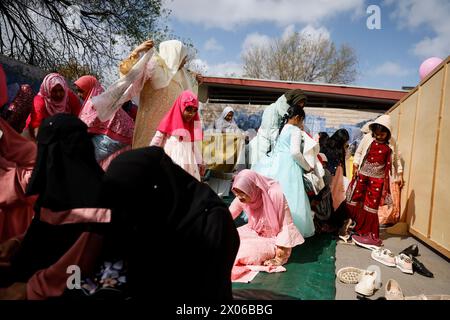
(310, 272)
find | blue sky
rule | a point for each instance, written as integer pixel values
(411, 31)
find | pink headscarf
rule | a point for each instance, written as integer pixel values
(267, 200)
(49, 82)
(91, 85)
(119, 128)
(173, 123)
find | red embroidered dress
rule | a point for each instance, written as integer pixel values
(370, 189)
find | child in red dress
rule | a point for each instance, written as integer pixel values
(375, 163)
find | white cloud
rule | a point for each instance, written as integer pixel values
(227, 14)
(438, 46)
(255, 40)
(212, 45)
(315, 33)
(262, 40)
(391, 69)
(227, 68)
(432, 14)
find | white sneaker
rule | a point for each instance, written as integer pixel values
(404, 263)
(369, 282)
(385, 256)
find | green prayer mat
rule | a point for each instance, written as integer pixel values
(310, 272)
(309, 275)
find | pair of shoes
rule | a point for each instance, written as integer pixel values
(393, 291)
(420, 268)
(369, 241)
(350, 275)
(385, 256)
(369, 281)
(404, 263)
(412, 250)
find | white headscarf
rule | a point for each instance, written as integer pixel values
(221, 123)
(160, 68)
(170, 56)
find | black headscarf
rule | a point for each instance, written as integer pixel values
(66, 174)
(293, 97)
(181, 240)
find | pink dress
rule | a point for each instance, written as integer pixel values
(256, 248)
(52, 281)
(119, 128)
(186, 154)
(337, 187)
(17, 158)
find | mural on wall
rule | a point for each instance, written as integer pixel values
(247, 116)
(331, 119)
(246, 121)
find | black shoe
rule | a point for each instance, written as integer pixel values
(412, 250)
(420, 268)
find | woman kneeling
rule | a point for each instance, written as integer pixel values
(270, 234)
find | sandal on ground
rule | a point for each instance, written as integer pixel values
(350, 275)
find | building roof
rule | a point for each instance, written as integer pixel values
(257, 91)
(309, 87)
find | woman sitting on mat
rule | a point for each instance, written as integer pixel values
(270, 234)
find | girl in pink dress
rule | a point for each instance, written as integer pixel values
(270, 234)
(108, 136)
(54, 97)
(178, 133)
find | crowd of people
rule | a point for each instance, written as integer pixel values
(93, 181)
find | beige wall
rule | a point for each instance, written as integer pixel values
(422, 121)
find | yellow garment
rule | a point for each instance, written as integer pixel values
(222, 152)
(155, 101)
(349, 167)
